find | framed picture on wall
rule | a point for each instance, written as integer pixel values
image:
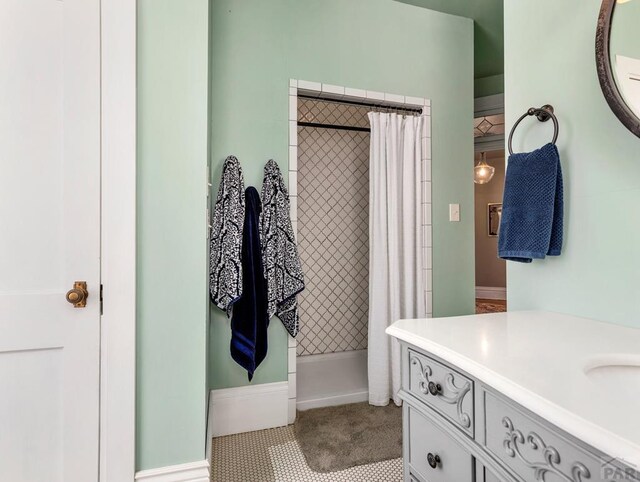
(494, 213)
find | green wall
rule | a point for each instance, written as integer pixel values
(597, 275)
(488, 30)
(492, 85)
(377, 45)
(172, 262)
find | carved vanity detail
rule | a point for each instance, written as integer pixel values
(438, 395)
(459, 428)
(514, 440)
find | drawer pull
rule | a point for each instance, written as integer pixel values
(455, 394)
(433, 460)
(435, 388)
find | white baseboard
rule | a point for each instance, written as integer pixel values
(244, 409)
(190, 472)
(332, 400)
(491, 293)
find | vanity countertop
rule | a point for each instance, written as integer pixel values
(541, 360)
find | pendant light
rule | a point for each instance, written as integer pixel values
(483, 172)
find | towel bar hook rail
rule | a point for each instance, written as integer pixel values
(543, 114)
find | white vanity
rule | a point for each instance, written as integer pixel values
(519, 396)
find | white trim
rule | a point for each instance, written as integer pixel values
(491, 293)
(487, 144)
(491, 104)
(249, 408)
(292, 344)
(189, 472)
(118, 239)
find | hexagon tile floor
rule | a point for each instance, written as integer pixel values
(273, 455)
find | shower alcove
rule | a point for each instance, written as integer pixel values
(329, 184)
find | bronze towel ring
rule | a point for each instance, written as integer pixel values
(543, 114)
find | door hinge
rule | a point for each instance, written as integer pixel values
(101, 300)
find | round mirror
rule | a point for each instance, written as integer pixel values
(618, 59)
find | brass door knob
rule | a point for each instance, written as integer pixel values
(78, 295)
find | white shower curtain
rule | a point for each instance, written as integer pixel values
(396, 281)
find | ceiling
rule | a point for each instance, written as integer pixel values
(488, 32)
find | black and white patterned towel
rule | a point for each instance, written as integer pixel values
(282, 268)
(225, 270)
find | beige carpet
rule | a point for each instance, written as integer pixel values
(337, 438)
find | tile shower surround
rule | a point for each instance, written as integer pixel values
(333, 228)
(335, 92)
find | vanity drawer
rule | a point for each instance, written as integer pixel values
(443, 389)
(533, 450)
(489, 477)
(428, 443)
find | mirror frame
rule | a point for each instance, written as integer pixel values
(605, 73)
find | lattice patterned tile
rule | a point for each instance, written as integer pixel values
(323, 112)
(333, 233)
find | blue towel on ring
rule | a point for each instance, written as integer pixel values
(250, 317)
(532, 206)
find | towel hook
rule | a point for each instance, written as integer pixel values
(543, 114)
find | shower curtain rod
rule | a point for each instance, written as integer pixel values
(415, 110)
(333, 126)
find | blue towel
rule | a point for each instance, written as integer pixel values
(250, 318)
(532, 207)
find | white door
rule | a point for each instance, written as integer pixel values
(49, 238)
